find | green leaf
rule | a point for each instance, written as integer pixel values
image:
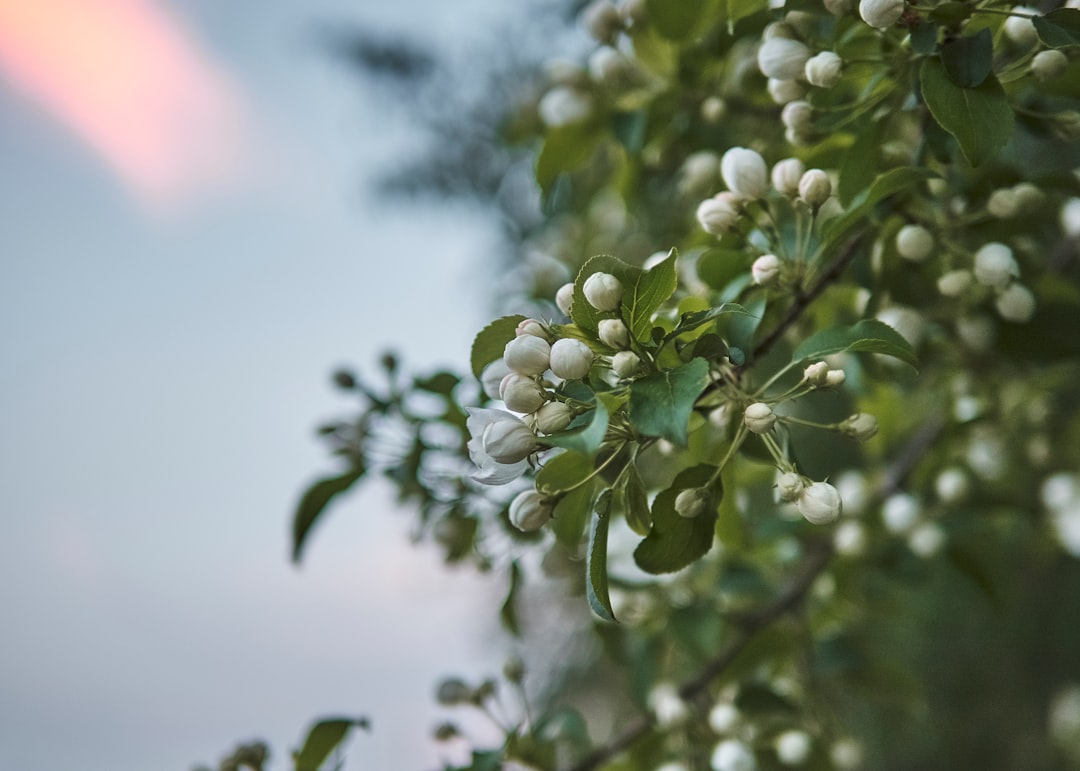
(718, 267)
(441, 383)
(738, 329)
(694, 319)
(968, 59)
(924, 36)
(570, 515)
(563, 471)
(869, 336)
(890, 183)
(951, 14)
(660, 404)
(1059, 28)
(315, 500)
(675, 541)
(859, 165)
(508, 612)
(651, 290)
(740, 9)
(490, 342)
(566, 148)
(596, 587)
(323, 738)
(631, 497)
(588, 437)
(980, 118)
(674, 20)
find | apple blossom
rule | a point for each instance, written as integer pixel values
(995, 265)
(571, 359)
(745, 173)
(1016, 303)
(815, 188)
(530, 510)
(718, 215)
(783, 91)
(732, 755)
(521, 393)
(613, 333)
(759, 418)
(881, 14)
(553, 417)
(625, 364)
(820, 503)
(527, 355)
(782, 58)
(766, 269)
(692, 502)
(786, 175)
(824, 69)
(603, 291)
(499, 444)
(914, 242)
(564, 298)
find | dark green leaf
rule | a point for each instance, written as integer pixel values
(694, 319)
(968, 59)
(490, 342)
(858, 168)
(440, 383)
(629, 129)
(674, 20)
(890, 183)
(951, 14)
(675, 541)
(980, 118)
(570, 515)
(322, 739)
(315, 501)
(563, 471)
(738, 329)
(719, 267)
(596, 587)
(652, 288)
(869, 335)
(508, 612)
(740, 9)
(632, 499)
(755, 699)
(924, 35)
(1059, 28)
(660, 404)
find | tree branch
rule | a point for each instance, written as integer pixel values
(787, 599)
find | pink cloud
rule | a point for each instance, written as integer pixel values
(126, 79)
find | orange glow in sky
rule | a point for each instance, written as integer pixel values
(129, 81)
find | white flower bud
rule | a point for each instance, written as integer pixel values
(793, 747)
(784, 91)
(508, 441)
(530, 511)
(798, 116)
(926, 540)
(759, 418)
(854, 490)
(860, 426)
(837, 7)
(699, 172)
(609, 67)
(850, 538)
(723, 717)
(908, 322)
(955, 282)
(745, 173)
(976, 332)
(786, 175)
(816, 374)
(553, 417)
(666, 704)
(713, 109)
(527, 355)
(564, 298)
(625, 364)
(564, 105)
(900, 512)
(718, 215)
(1016, 303)
(603, 291)
(914, 242)
(952, 485)
(824, 69)
(1019, 29)
(778, 29)
(782, 58)
(521, 393)
(1028, 197)
(815, 188)
(1002, 204)
(492, 376)
(995, 265)
(534, 328)
(692, 502)
(571, 359)
(881, 13)
(490, 470)
(765, 270)
(834, 378)
(732, 755)
(789, 486)
(613, 333)
(820, 503)
(846, 754)
(1070, 218)
(602, 21)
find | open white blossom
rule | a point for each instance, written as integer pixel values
(499, 445)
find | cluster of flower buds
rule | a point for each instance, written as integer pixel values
(789, 63)
(995, 269)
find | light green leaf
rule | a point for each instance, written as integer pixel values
(563, 471)
(588, 437)
(674, 20)
(1059, 28)
(565, 148)
(869, 336)
(596, 587)
(322, 739)
(632, 499)
(660, 404)
(859, 164)
(980, 118)
(489, 343)
(651, 290)
(315, 501)
(675, 541)
(570, 515)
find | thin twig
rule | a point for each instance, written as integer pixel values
(788, 599)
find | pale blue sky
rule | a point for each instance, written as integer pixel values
(161, 381)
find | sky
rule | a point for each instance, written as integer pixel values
(190, 248)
